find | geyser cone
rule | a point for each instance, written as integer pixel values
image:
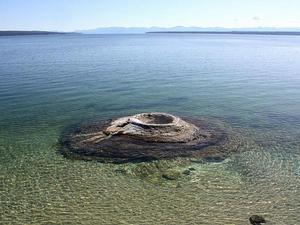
(141, 137)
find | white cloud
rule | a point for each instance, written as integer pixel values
(256, 18)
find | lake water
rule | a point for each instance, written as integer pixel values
(251, 83)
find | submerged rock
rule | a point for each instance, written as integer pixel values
(171, 175)
(257, 220)
(186, 172)
(143, 137)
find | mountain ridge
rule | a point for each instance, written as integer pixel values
(142, 30)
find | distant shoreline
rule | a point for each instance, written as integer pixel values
(20, 33)
(294, 33)
(17, 33)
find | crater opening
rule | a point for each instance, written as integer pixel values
(151, 118)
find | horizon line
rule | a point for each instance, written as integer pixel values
(211, 28)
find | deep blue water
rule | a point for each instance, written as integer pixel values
(250, 82)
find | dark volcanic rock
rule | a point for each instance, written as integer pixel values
(186, 172)
(257, 220)
(171, 175)
(142, 137)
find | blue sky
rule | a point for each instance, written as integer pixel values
(69, 15)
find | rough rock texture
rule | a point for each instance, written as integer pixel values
(142, 137)
(257, 220)
(155, 127)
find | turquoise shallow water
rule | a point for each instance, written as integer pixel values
(250, 83)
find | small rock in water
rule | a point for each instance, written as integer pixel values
(186, 172)
(215, 159)
(256, 220)
(171, 175)
(192, 169)
(122, 171)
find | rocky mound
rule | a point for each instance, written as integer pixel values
(142, 137)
